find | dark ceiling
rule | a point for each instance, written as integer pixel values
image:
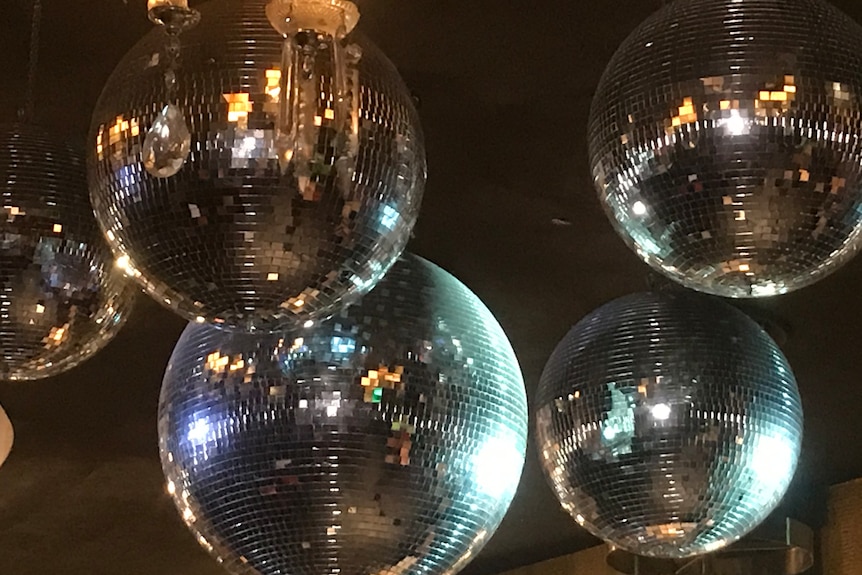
(509, 209)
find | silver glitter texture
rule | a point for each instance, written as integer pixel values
(388, 439)
(230, 239)
(668, 424)
(61, 299)
(725, 143)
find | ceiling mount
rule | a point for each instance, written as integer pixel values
(781, 547)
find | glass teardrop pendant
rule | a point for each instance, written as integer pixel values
(168, 143)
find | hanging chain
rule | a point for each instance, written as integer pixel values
(26, 113)
(701, 561)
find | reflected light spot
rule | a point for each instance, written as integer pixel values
(497, 467)
(660, 411)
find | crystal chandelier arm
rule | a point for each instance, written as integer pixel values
(287, 104)
(313, 31)
(174, 15)
(304, 113)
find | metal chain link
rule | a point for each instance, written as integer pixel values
(27, 112)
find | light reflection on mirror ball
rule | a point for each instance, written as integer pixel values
(231, 239)
(725, 143)
(668, 424)
(61, 298)
(388, 439)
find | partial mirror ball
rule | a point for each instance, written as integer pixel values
(61, 297)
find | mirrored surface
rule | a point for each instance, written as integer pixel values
(235, 237)
(388, 439)
(725, 143)
(61, 299)
(668, 424)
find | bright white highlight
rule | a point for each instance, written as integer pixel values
(735, 124)
(390, 217)
(198, 432)
(249, 143)
(660, 411)
(497, 467)
(773, 462)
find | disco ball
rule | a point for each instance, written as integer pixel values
(231, 238)
(725, 143)
(386, 440)
(668, 424)
(7, 436)
(61, 299)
